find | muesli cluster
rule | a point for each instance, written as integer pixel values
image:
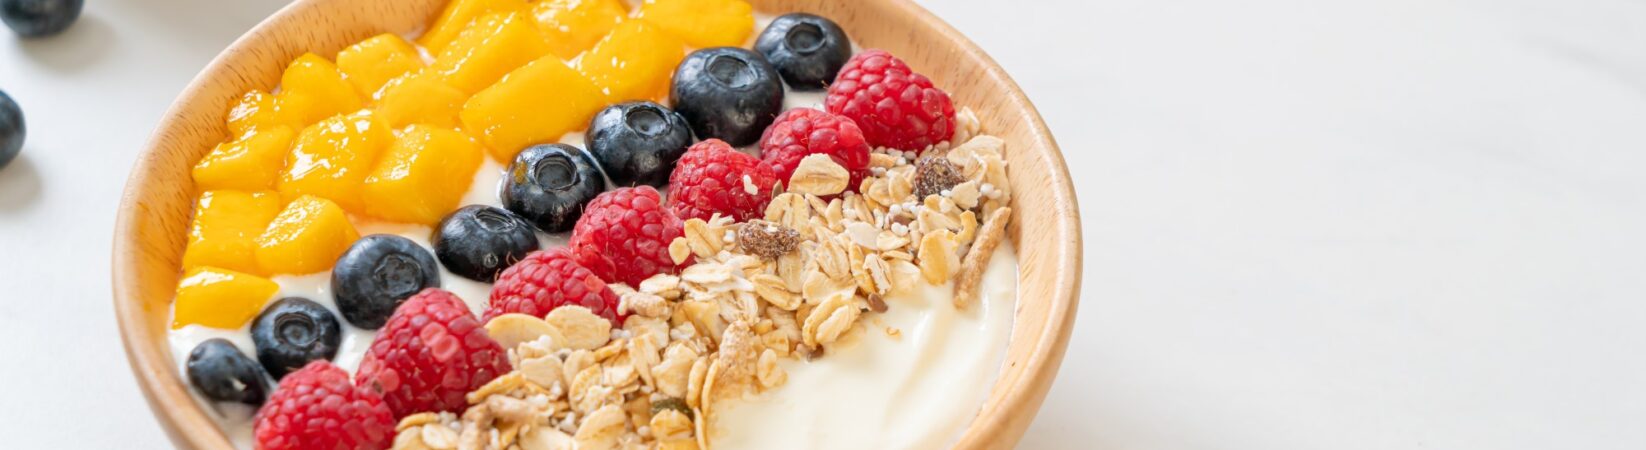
(788, 285)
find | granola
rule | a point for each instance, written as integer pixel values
(786, 287)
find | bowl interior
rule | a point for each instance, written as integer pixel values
(155, 209)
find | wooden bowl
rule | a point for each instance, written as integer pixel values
(155, 210)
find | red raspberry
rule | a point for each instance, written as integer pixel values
(429, 355)
(546, 280)
(624, 235)
(803, 132)
(317, 407)
(708, 179)
(896, 107)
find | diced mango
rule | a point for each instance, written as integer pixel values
(306, 237)
(332, 158)
(634, 62)
(220, 298)
(419, 98)
(257, 109)
(488, 49)
(422, 176)
(573, 26)
(225, 229)
(251, 163)
(312, 89)
(534, 104)
(372, 62)
(458, 15)
(702, 23)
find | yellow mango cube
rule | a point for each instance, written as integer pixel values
(306, 237)
(421, 99)
(220, 298)
(225, 229)
(635, 62)
(458, 15)
(422, 176)
(257, 109)
(372, 62)
(488, 49)
(702, 23)
(312, 89)
(251, 163)
(573, 26)
(535, 104)
(332, 158)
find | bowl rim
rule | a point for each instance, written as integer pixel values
(1011, 404)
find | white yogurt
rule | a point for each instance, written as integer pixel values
(917, 390)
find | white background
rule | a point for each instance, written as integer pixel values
(1309, 224)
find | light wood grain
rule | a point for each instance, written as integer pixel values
(154, 214)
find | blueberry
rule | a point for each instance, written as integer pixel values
(807, 50)
(376, 274)
(39, 18)
(293, 331)
(219, 371)
(638, 142)
(478, 241)
(11, 129)
(548, 184)
(727, 93)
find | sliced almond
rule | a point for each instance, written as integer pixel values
(773, 290)
(819, 175)
(936, 250)
(790, 210)
(511, 330)
(669, 425)
(863, 234)
(417, 420)
(662, 285)
(702, 239)
(830, 320)
(882, 160)
(546, 438)
(600, 430)
(767, 371)
(966, 195)
(706, 273)
(543, 371)
(581, 328)
(679, 250)
(439, 437)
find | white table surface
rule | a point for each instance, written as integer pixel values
(1309, 224)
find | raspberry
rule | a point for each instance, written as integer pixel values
(429, 355)
(801, 132)
(894, 106)
(546, 280)
(624, 235)
(710, 178)
(317, 407)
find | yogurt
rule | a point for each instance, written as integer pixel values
(916, 389)
(912, 377)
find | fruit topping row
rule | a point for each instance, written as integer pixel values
(654, 364)
(822, 217)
